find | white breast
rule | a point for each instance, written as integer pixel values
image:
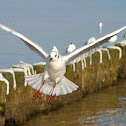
(56, 69)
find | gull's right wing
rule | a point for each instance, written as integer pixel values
(77, 55)
(32, 45)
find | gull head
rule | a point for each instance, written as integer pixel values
(54, 55)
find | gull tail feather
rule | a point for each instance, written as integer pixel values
(34, 80)
(64, 87)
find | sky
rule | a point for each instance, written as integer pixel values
(55, 23)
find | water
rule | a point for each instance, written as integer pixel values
(55, 22)
(107, 107)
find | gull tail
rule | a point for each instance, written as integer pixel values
(63, 87)
(34, 80)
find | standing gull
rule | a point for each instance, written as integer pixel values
(100, 27)
(52, 81)
(124, 36)
(112, 39)
(92, 39)
(70, 48)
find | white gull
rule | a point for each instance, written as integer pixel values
(100, 27)
(52, 81)
(70, 48)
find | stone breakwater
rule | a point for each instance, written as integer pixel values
(91, 74)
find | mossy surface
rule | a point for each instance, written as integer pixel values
(3, 97)
(114, 65)
(3, 89)
(122, 62)
(39, 68)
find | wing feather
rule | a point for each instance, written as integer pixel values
(75, 55)
(32, 45)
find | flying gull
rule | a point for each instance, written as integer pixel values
(52, 81)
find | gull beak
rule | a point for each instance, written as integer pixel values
(51, 58)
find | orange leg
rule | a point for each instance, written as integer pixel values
(36, 95)
(50, 97)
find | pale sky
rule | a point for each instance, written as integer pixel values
(55, 22)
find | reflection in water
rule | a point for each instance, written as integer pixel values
(107, 107)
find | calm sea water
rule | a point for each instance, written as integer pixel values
(55, 22)
(107, 107)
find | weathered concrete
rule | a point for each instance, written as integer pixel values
(19, 105)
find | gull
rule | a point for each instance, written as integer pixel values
(100, 27)
(52, 81)
(70, 48)
(124, 36)
(112, 39)
(92, 39)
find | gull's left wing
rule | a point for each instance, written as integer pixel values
(32, 45)
(84, 51)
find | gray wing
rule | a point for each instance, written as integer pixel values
(84, 51)
(32, 45)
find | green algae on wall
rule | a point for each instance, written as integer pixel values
(122, 63)
(3, 89)
(94, 77)
(114, 65)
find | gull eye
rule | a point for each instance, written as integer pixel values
(55, 55)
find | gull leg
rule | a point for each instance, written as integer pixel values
(36, 95)
(50, 97)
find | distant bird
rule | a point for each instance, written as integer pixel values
(92, 39)
(70, 48)
(100, 27)
(124, 36)
(52, 81)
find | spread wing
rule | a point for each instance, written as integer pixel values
(32, 45)
(89, 49)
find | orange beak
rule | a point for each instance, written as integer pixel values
(51, 58)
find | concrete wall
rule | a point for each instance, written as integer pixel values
(19, 105)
